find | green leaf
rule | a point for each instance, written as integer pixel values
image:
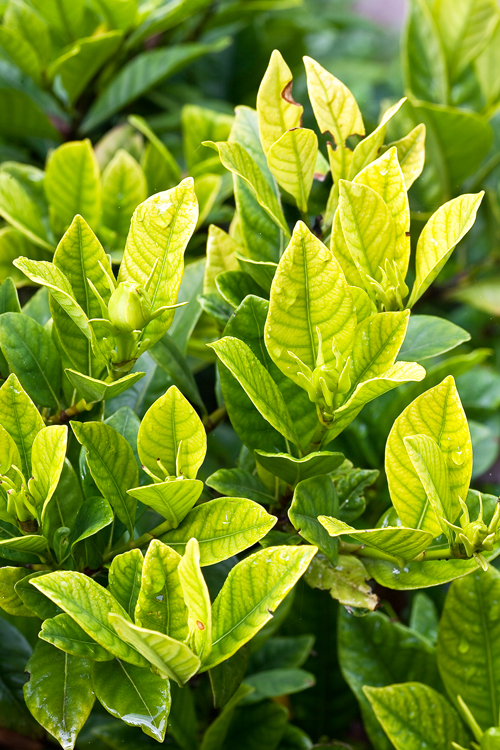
(202, 124)
(377, 651)
(277, 110)
(160, 168)
(274, 682)
(438, 414)
(9, 300)
(468, 645)
(112, 465)
(439, 237)
(167, 355)
(64, 16)
(424, 617)
(160, 604)
(396, 541)
(282, 652)
(93, 390)
(20, 113)
(21, 52)
(226, 677)
(240, 483)
(47, 456)
(377, 343)
(257, 384)
(160, 230)
(251, 592)
(411, 154)
(14, 653)
(486, 70)
(428, 336)
(334, 107)
(64, 504)
(140, 74)
(72, 185)
(23, 204)
(94, 514)
(22, 19)
(234, 286)
(75, 68)
(33, 599)
(238, 161)
(124, 580)
(30, 544)
(170, 658)
(31, 353)
(123, 188)
(119, 14)
(172, 433)
(197, 600)
(89, 605)
(259, 727)
(223, 527)
(173, 500)
(221, 256)
(10, 601)
(292, 160)
(368, 148)
(59, 693)
(414, 714)
(64, 633)
(424, 62)
(313, 499)
(134, 695)
(20, 417)
(309, 292)
(216, 732)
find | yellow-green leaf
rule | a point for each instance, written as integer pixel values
(276, 109)
(197, 601)
(368, 149)
(411, 154)
(376, 346)
(464, 28)
(396, 541)
(123, 188)
(47, 457)
(221, 256)
(292, 160)
(173, 500)
(20, 418)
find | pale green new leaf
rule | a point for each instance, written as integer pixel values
(47, 457)
(10, 601)
(197, 600)
(160, 230)
(276, 109)
(24, 205)
(20, 418)
(309, 292)
(30, 544)
(257, 384)
(93, 390)
(292, 161)
(223, 528)
(170, 658)
(160, 604)
(251, 593)
(411, 153)
(444, 230)
(221, 256)
(9, 453)
(415, 715)
(368, 148)
(65, 633)
(465, 28)
(172, 432)
(89, 605)
(72, 185)
(396, 541)
(113, 466)
(124, 580)
(173, 500)
(334, 106)
(438, 414)
(123, 188)
(377, 344)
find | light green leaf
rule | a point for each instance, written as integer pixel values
(197, 600)
(293, 470)
(428, 336)
(112, 465)
(238, 161)
(20, 112)
(65, 633)
(207, 188)
(23, 203)
(34, 600)
(438, 414)
(172, 433)
(276, 109)
(119, 14)
(29, 544)
(140, 74)
(223, 527)
(23, 20)
(20, 417)
(47, 457)
(64, 16)
(396, 541)
(257, 384)
(75, 68)
(312, 500)
(468, 644)
(411, 154)
(123, 188)
(32, 354)
(10, 601)
(9, 453)
(173, 500)
(424, 61)
(160, 230)
(170, 658)
(21, 52)
(444, 230)
(13, 244)
(89, 605)
(72, 185)
(292, 160)
(251, 593)
(465, 28)
(413, 714)
(377, 344)
(334, 107)
(59, 692)
(167, 355)
(240, 483)
(124, 580)
(202, 124)
(160, 168)
(93, 390)
(160, 604)
(309, 292)
(486, 69)
(134, 695)
(368, 148)
(221, 256)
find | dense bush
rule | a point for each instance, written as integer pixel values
(235, 352)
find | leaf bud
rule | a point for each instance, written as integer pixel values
(129, 307)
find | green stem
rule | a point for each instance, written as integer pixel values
(213, 420)
(305, 218)
(140, 541)
(317, 438)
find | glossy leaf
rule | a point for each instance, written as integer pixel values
(93, 390)
(23, 204)
(124, 580)
(240, 483)
(173, 500)
(197, 600)
(36, 602)
(396, 541)
(65, 633)
(47, 454)
(292, 160)
(368, 148)
(313, 499)
(223, 527)
(277, 111)
(221, 256)
(123, 188)
(293, 470)
(377, 344)
(424, 61)
(252, 591)
(21, 419)
(411, 154)
(464, 29)
(428, 336)
(10, 601)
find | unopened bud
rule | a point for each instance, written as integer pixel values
(129, 307)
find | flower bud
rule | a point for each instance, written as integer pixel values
(129, 307)
(491, 739)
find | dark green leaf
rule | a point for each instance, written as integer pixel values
(293, 470)
(239, 483)
(14, 653)
(312, 498)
